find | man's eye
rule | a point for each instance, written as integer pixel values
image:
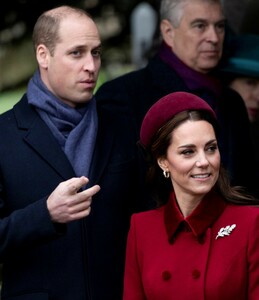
(76, 53)
(200, 25)
(221, 26)
(96, 53)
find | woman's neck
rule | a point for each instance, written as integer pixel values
(188, 203)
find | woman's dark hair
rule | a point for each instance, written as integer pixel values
(160, 186)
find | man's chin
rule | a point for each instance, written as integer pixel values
(208, 66)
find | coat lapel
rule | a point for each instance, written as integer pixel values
(164, 77)
(103, 146)
(38, 136)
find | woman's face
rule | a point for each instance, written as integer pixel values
(193, 159)
(248, 88)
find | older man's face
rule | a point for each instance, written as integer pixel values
(198, 41)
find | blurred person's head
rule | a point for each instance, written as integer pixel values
(194, 30)
(248, 88)
(241, 71)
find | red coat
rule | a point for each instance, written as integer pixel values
(172, 258)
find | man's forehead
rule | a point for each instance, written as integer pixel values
(203, 12)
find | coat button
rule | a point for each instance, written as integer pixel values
(166, 275)
(196, 274)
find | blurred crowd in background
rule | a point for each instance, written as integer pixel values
(121, 27)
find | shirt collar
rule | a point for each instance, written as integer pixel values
(204, 215)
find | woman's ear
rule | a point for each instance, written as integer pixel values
(167, 32)
(162, 162)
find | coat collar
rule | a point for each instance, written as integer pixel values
(207, 212)
(164, 77)
(194, 80)
(39, 137)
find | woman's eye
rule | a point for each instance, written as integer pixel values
(213, 148)
(251, 81)
(187, 152)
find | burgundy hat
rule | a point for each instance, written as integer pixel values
(165, 109)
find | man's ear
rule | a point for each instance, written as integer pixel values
(167, 32)
(42, 54)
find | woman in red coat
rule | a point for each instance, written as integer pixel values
(202, 242)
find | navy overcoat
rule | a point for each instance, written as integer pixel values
(83, 259)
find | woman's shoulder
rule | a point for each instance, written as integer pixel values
(246, 213)
(148, 215)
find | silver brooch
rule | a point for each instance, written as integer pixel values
(224, 231)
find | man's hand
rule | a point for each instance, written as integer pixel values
(66, 204)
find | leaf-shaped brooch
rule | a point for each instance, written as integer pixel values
(224, 231)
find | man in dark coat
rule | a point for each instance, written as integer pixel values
(67, 173)
(192, 44)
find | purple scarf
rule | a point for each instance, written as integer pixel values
(195, 81)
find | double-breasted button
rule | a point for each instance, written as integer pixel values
(196, 274)
(166, 275)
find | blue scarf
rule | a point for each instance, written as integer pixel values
(74, 129)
